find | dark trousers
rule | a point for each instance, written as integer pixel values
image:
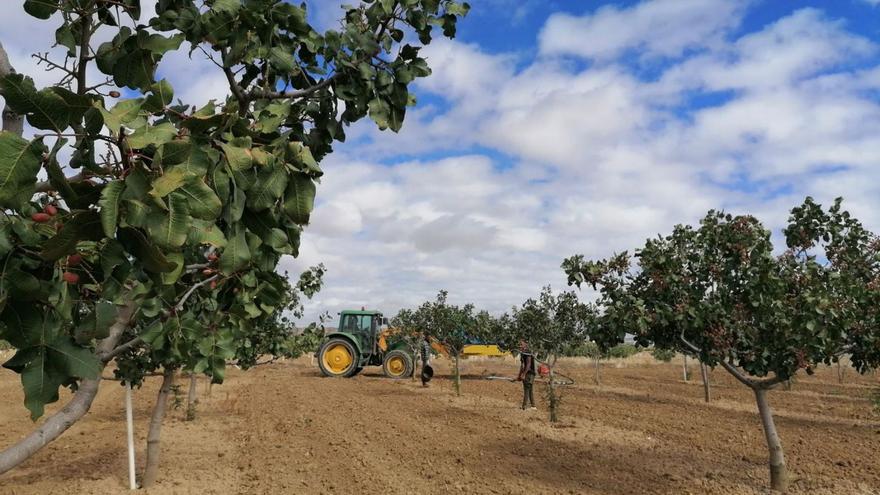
(528, 395)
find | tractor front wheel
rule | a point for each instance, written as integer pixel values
(397, 364)
(338, 357)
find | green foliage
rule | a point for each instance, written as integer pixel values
(453, 326)
(550, 324)
(623, 351)
(721, 292)
(177, 212)
(591, 350)
(664, 355)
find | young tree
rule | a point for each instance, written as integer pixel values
(143, 194)
(719, 291)
(549, 324)
(452, 326)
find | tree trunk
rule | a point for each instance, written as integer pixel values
(704, 372)
(778, 471)
(551, 395)
(598, 381)
(151, 470)
(9, 121)
(457, 376)
(684, 370)
(74, 410)
(839, 372)
(192, 398)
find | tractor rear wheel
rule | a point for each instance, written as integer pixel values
(338, 357)
(397, 364)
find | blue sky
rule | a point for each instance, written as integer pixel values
(551, 128)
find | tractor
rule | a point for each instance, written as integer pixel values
(363, 339)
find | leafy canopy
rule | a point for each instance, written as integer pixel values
(176, 213)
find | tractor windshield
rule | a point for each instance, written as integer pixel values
(357, 324)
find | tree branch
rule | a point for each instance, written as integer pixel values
(729, 367)
(81, 83)
(110, 354)
(106, 358)
(192, 289)
(11, 121)
(296, 93)
(46, 186)
(243, 100)
(74, 410)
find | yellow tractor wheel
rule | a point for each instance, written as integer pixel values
(338, 357)
(397, 364)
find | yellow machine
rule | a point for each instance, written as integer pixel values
(491, 350)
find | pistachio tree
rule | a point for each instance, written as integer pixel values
(720, 292)
(452, 326)
(550, 324)
(130, 216)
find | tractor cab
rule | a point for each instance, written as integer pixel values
(359, 342)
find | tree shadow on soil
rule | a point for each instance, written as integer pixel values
(94, 464)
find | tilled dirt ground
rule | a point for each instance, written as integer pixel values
(284, 429)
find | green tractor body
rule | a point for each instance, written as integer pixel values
(361, 340)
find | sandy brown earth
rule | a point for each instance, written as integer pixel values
(284, 429)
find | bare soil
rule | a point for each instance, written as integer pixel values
(284, 429)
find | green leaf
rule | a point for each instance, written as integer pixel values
(140, 247)
(125, 113)
(53, 108)
(153, 335)
(230, 6)
(170, 181)
(76, 361)
(155, 135)
(82, 226)
(40, 382)
(188, 156)
(299, 199)
(41, 9)
(109, 204)
(270, 185)
(380, 112)
(19, 164)
(171, 277)
(238, 158)
(205, 232)
(162, 96)
(64, 37)
(282, 59)
(236, 254)
(301, 157)
(169, 229)
(56, 176)
(97, 324)
(202, 201)
(135, 213)
(22, 285)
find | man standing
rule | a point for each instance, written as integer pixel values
(526, 375)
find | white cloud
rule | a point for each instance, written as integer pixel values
(664, 28)
(596, 160)
(519, 162)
